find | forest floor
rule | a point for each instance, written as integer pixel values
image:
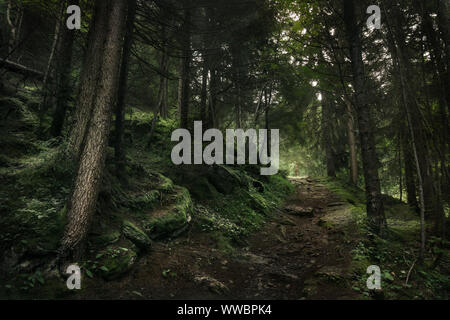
(295, 255)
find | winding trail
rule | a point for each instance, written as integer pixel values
(296, 255)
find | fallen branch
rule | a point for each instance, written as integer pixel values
(18, 68)
(409, 272)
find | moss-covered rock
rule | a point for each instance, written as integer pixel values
(165, 184)
(136, 235)
(107, 238)
(116, 261)
(171, 221)
(146, 201)
(204, 190)
(225, 179)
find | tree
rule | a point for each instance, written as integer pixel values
(63, 72)
(88, 181)
(185, 72)
(123, 80)
(89, 79)
(375, 207)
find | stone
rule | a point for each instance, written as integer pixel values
(116, 262)
(136, 235)
(212, 284)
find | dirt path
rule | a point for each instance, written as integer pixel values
(294, 256)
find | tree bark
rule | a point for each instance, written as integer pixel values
(204, 90)
(89, 80)
(63, 74)
(185, 67)
(352, 143)
(83, 202)
(375, 207)
(122, 90)
(410, 182)
(327, 134)
(163, 94)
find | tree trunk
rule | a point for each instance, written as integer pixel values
(327, 134)
(375, 207)
(84, 198)
(89, 80)
(122, 90)
(212, 105)
(163, 95)
(352, 143)
(43, 105)
(186, 66)
(63, 73)
(204, 91)
(410, 182)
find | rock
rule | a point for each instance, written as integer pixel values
(212, 284)
(286, 221)
(166, 185)
(336, 204)
(331, 273)
(136, 235)
(251, 258)
(107, 239)
(116, 261)
(299, 211)
(173, 220)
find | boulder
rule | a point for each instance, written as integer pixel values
(116, 261)
(136, 235)
(299, 211)
(172, 220)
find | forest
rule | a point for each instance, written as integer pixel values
(348, 102)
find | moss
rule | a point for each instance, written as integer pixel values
(146, 201)
(223, 243)
(166, 185)
(345, 191)
(259, 202)
(204, 190)
(168, 223)
(280, 185)
(116, 261)
(136, 235)
(107, 239)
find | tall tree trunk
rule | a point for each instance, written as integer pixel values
(410, 182)
(14, 25)
(212, 104)
(63, 71)
(89, 80)
(185, 66)
(236, 56)
(46, 90)
(204, 90)
(122, 90)
(84, 198)
(163, 103)
(375, 207)
(327, 134)
(352, 142)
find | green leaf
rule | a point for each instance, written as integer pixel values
(104, 268)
